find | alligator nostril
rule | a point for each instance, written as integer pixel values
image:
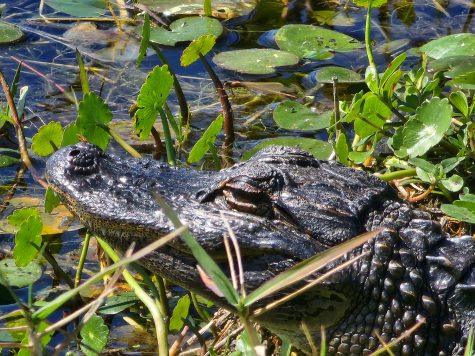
(83, 160)
(74, 153)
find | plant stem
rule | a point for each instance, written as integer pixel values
(369, 51)
(82, 260)
(251, 332)
(410, 172)
(225, 104)
(168, 138)
(121, 141)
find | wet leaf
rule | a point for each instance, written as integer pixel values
(461, 44)
(19, 277)
(28, 240)
(186, 29)
(180, 313)
(291, 115)
(47, 139)
(205, 142)
(152, 96)
(79, 8)
(93, 115)
(94, 334)
(255, 61)
(344, 75)
(116, 303)
(319, 149)
(307, 41)
(424, 130)
(200, 46)
(9, 33)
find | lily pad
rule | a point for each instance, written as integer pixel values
(291, 115)
(19, 276)
(186, 29)
(79, 8)
(255, 60)
(460, 44)
(307, 41)
(344, 75)
(10, 33)
(319, 149)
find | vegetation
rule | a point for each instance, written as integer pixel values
(411, 125)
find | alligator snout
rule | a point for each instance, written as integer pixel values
(83, 159)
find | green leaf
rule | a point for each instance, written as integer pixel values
(453, 183)
(19, 216)
(94, 334)
(341, 148)
(371, 79)
(19, 277)
(186, 29)
(459, 212)
(79, 8)
(180, 313)
(255, 60)
(459, 101)
(464, 81)
(152, 96)
(319, 149)
(70, 135)
(291, 115)
(307, 41)
(343, 75)
(203, 145)
(145, 39)
(425, 129)
(449, 164)
(82, 73)
(93, 115)
(51, 200)
(359, 157)
(47, 139)
(9, 33)
(6, 161)
(423, 164)
(114, 304)
(374, 3)
(460, 44)
(201, 46)
(372, 117)
(27, 240)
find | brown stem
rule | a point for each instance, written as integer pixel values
(158, 143)
(19, 131)
(225, 104)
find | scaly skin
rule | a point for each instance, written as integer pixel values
(284, 206)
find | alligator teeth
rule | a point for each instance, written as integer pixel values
(440, 260)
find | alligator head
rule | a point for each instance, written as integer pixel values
(284, 206)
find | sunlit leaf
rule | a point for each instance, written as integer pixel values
(343, 75)
(94, 334)
(460, 44)
(145, 38)
(47, 139)
(459, 212)
(116, 303)
(291, 115)
(153, 95)
(9, 33)
(27, 240)
(205, 142)
(93, 115)
(200, 46)
(70, 135)
(180, 313)
(19, 277)
(79, 8)
(255, 60)
(51, 200)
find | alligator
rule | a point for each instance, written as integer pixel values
(413, 283)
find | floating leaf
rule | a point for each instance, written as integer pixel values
(94, 114)
(425, 129)
(205, 142)
(200, 46)
(180, 313)
(19, 277)
(343, 75)
(255, 60)
(307, 41)
(291, 115)
(186, 29)
(94, 335)
(79, 8)
(9, 33)
(47, 139)
(460, 44)
(153, 95)
(319, 149)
